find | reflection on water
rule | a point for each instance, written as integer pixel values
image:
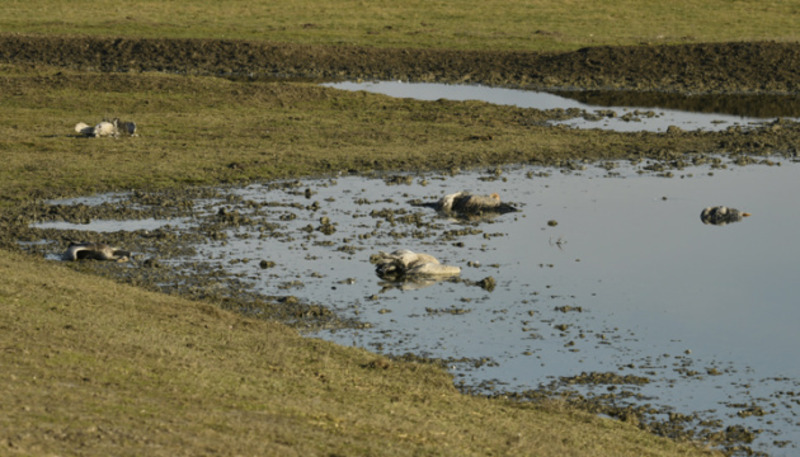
(620, 111)
(598, 272)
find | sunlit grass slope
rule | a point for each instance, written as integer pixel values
(96, 368)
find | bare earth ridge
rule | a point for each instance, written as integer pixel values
(759, 67)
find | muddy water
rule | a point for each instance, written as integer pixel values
(619, 111)
(603, 270)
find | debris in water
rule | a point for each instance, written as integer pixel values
(721, 215)
(404, 263)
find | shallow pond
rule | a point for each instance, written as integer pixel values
(620, 111)
(603, 270)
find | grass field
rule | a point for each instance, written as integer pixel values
(199, 130)
(539, 25)
(92, 367)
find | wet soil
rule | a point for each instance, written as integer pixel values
(760, 67)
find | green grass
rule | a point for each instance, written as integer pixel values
(196, 130)
(539, 25)
(267, 129)
(92, 367)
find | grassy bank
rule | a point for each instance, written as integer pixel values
(199, 130)
(540, 25)
(92, 367)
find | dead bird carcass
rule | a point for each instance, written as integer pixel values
(95, 251)
(466, 203)
(405, 264)
(113, 128)
(721, 215)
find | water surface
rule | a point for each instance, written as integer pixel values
(707, 313)
(619, 111)
(110, 225)
(602, 270)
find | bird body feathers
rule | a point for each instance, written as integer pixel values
(467, 203)
(95, 251)
(404, 262)
(721, 215)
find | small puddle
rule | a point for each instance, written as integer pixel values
(619, 111)
(93, 200)
(104, 226)
(605, 269)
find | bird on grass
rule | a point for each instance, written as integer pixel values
(112, 128)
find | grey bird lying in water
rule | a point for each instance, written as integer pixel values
(721, 215)
(404, 263)
(466, 203)
(95, 251)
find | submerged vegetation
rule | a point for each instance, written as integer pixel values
(93, 367)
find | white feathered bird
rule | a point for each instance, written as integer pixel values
(406, 263)
(465, 202)
(112, 128)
